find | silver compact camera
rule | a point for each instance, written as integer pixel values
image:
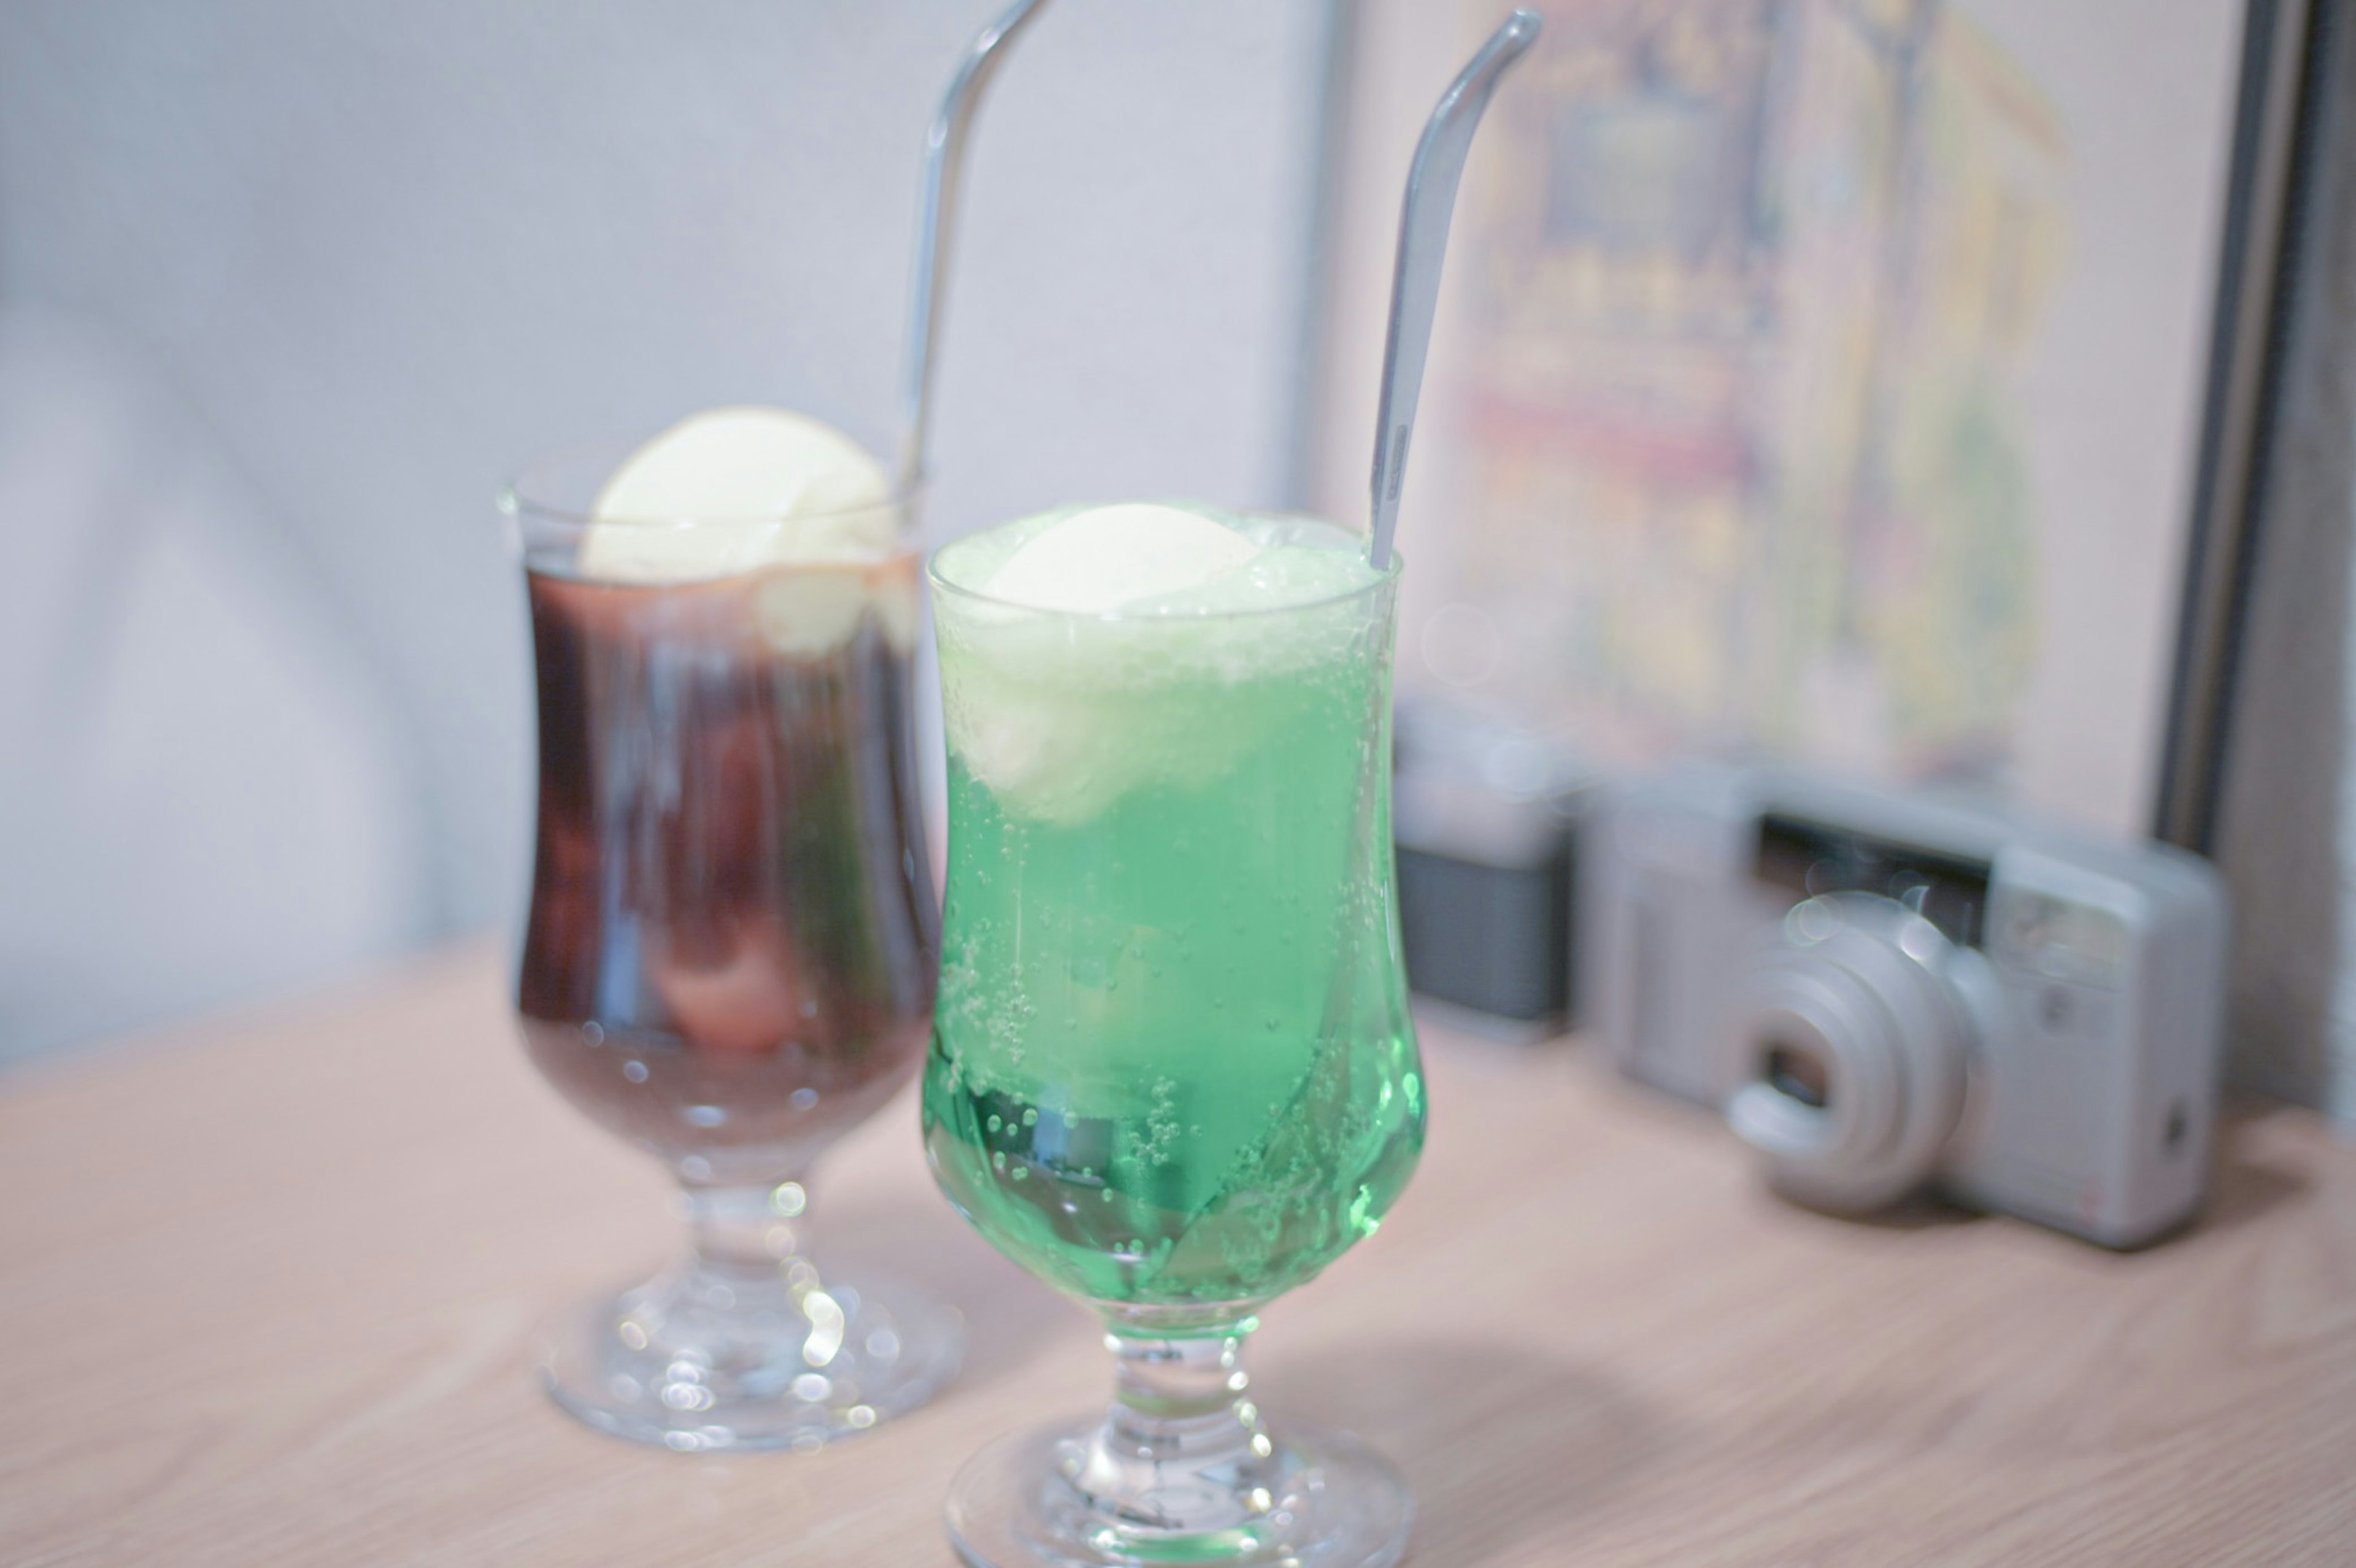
(1883, 991)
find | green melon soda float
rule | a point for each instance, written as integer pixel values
(1173, 1071)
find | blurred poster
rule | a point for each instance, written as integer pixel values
(1826, 379)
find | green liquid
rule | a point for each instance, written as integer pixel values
(1172, 1060)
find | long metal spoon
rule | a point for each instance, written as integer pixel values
(1431, 202)
(936, 221)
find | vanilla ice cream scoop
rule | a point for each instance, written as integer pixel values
(1106, 558)
(1085, 652)
(733, 490)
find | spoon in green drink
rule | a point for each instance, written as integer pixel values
(1424, 216)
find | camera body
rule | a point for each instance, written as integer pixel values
(1883, 990)
(1485, 815)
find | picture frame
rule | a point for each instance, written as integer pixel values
(1871, 383)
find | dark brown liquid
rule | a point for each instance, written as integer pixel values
(733, 939)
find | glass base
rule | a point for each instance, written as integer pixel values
(1319, 1499)
(707, 1357)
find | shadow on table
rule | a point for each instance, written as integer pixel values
(2243, 1183)
(1499, 1443)
(1009, 1316)
(1925, 1210)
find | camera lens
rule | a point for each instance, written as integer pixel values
(1845, 1044)
(1796, 1072)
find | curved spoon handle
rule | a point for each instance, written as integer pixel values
(937, 220)
(1431, 202)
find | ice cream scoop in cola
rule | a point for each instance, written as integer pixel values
(733, 942)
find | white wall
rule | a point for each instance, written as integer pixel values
(379, 254)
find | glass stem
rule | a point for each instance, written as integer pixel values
(743, 1231)
(1183, 1451)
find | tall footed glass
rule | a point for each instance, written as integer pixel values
(1173, 1071)
(732, 946)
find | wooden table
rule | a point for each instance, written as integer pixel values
(268, 1287)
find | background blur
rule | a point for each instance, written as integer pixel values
(287, 288)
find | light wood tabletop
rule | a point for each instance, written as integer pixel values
(269, 1286)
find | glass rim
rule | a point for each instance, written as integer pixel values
(525, 493)
(944, 587)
